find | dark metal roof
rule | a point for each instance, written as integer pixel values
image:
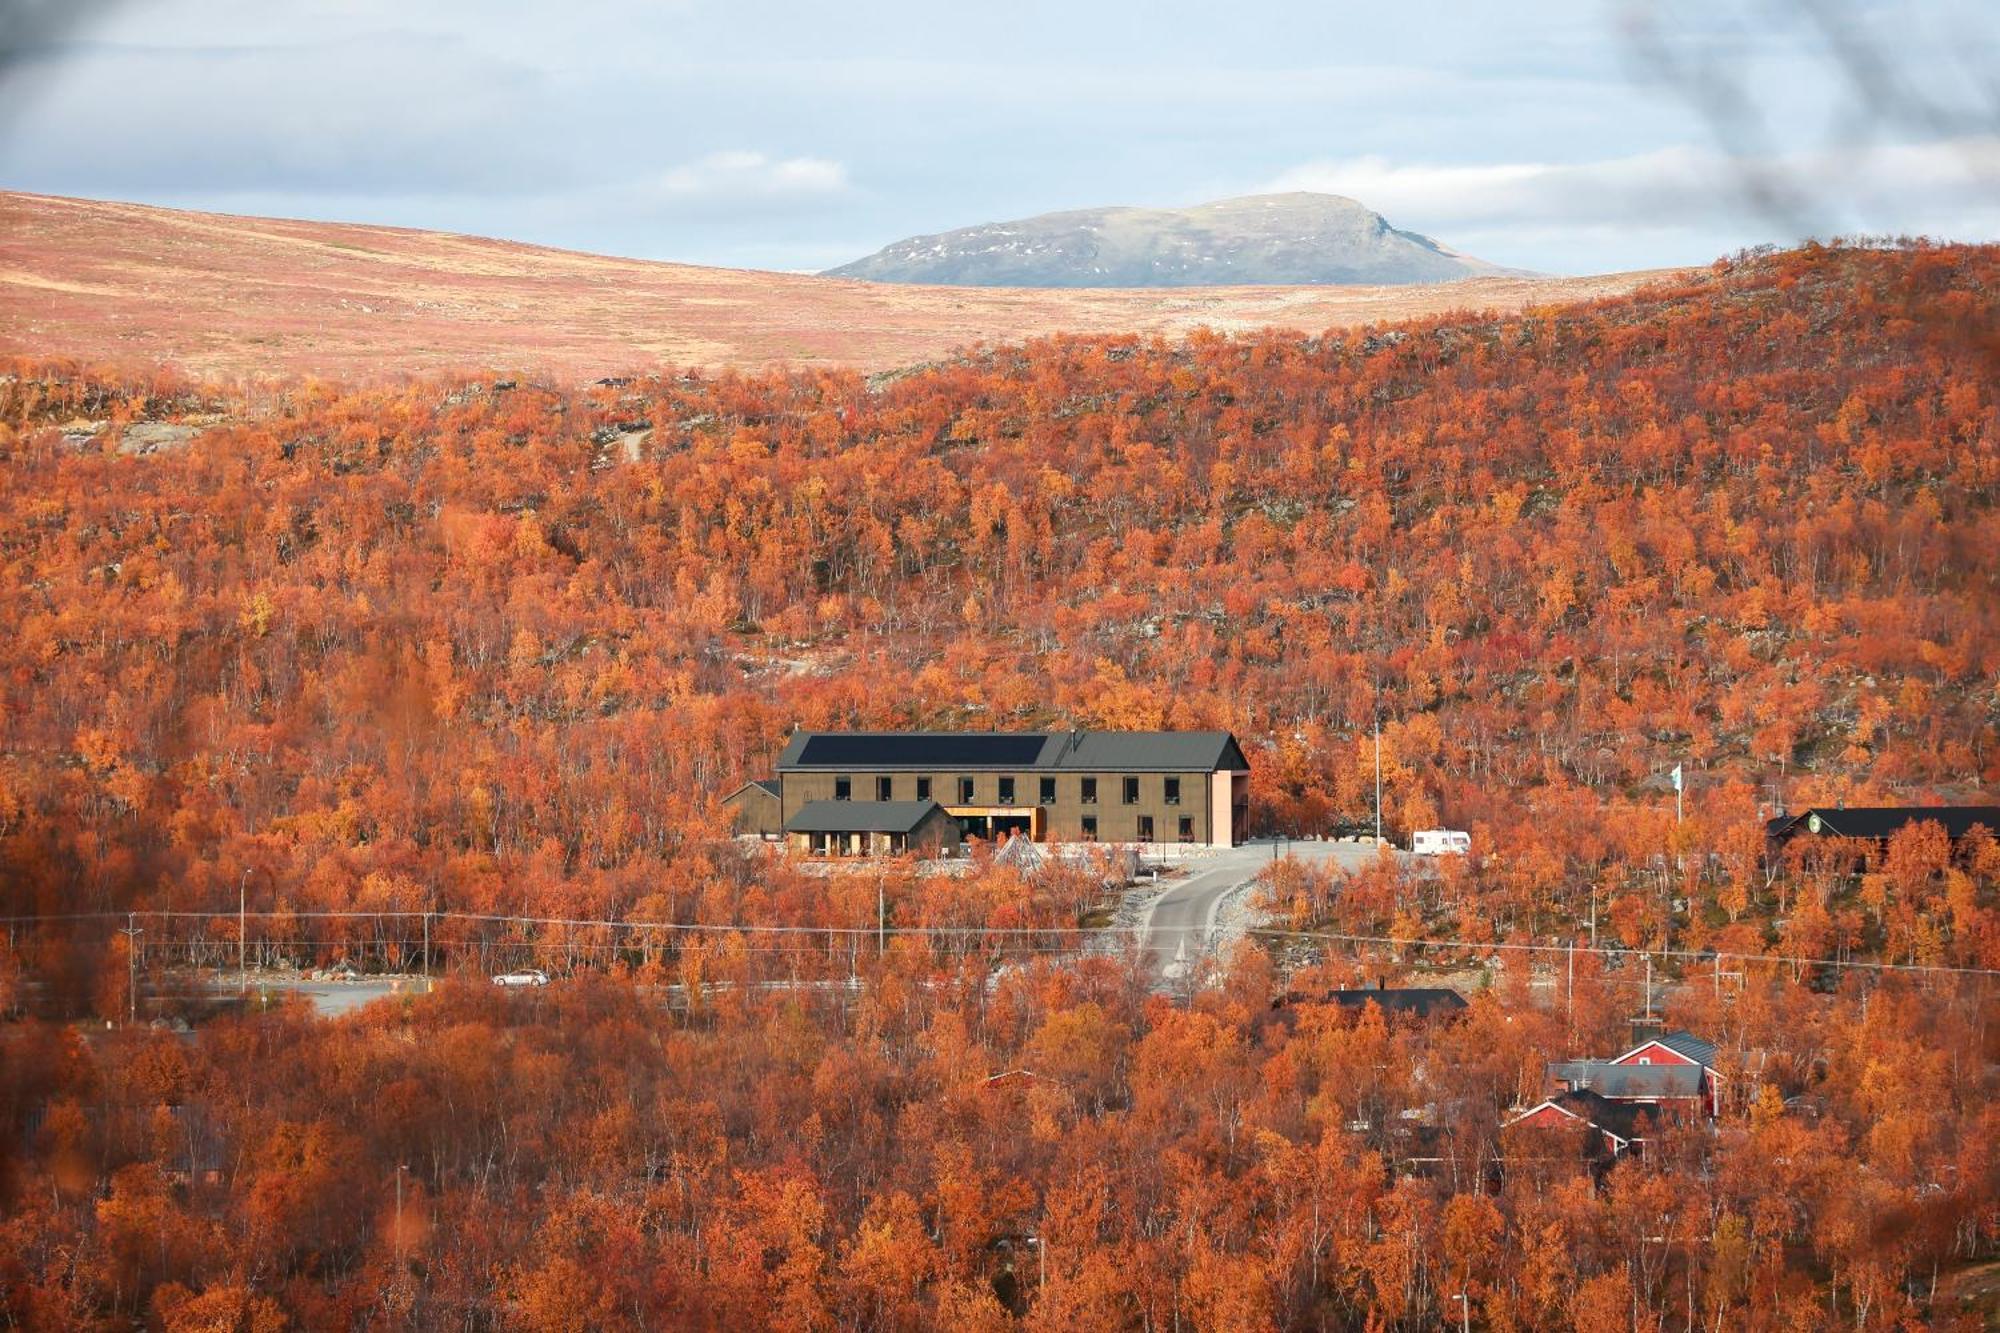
(1424, 1001)
(1698, 1049)
(1883, 821)
(1628, 1120)
(913, 749)
(1146, 751)
(1076, 751)
(861, 816)
(1609, 1080)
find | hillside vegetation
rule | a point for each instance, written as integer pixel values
(500, 646)
(513, 635)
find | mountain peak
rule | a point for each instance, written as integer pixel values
(1297, 237)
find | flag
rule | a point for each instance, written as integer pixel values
(1677, 777)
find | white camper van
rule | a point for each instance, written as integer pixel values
(1440, 842)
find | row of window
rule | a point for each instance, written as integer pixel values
(1145, 833)
(968, 790)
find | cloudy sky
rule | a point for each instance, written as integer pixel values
(1572, 137)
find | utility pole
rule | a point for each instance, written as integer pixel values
(1378, 777)
(1572, 982)
(401, 1168)
(881, 917)
(131, 934)
(427, 952)
(242, 930)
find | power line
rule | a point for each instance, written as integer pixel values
(1025, 934)
(1700, 956)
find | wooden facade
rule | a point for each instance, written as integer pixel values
(1188, 788)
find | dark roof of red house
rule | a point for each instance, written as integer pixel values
(1629, 1081)
(1628, 1120)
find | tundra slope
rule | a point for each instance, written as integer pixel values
(218, 295)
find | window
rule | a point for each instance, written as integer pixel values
(1131, 791)
(923, 789)
(843, 789)
(1090, 798)
(885, 789)
(1006, 791)
(1187, 828)
(1048, 791)
(1090, 828)
(1173, 791)
(965, 791)
(1145, 828)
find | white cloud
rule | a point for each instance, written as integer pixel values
(1861, 187)
(745, 177)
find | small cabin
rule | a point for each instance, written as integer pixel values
(1421, 1004)
(1878, 823)
(757, 807)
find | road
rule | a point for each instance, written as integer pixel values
(1184, 925)
(331, 998)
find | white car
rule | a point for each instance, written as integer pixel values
(531, 976)
(1440, 842)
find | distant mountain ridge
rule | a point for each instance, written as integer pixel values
(1301, 238)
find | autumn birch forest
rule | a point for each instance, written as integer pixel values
(451, 674)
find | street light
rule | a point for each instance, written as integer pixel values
(132, 932)
(402, 1169)
(1464, 1311)
(242, 931)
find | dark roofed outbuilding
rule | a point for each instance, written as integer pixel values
(1879, 823)
(757, 807)
(1420, 1002)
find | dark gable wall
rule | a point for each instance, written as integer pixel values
(756, 811)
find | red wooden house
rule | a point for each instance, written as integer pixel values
(1673, 1049)
(1610, 1128)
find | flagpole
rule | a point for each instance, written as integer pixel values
(1679, 783)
